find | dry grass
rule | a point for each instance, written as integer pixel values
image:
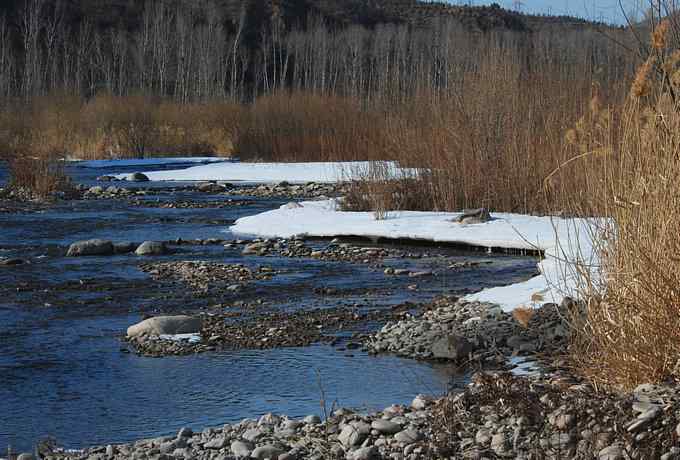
(116, 127)
(303, 126)
(38, 178)
(493, 142)
(523, 315)
(632, 332)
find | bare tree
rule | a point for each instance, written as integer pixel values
(53, 37)
(6, 59)
(31, 25)
(234, 87)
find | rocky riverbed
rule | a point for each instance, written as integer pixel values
(340, 251)
(282, 190)
(498, 415)
(205, 277)
(228, 330)
(475, 332)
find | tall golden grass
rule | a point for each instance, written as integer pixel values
(305, 126)
(116, 127)
(632, 330)
(495, 140)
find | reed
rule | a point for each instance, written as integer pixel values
(631, 333)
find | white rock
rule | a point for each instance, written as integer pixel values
(420, 402)
(159, 325)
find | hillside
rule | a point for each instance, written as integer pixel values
(296, 12)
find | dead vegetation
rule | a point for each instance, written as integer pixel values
(632, 333)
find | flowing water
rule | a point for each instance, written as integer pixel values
(62, 370)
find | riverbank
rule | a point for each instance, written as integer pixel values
(499, 415)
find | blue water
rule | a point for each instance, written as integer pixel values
(62, 372)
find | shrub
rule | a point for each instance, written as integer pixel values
(38, 177)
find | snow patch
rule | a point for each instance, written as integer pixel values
(326, 172)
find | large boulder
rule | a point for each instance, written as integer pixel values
(151, 248)
(453, 347)
(159, 325)
(137, 177)
(94, 247)
(474, 216)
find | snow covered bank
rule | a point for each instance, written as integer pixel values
(149, 162)
(566, 242)
(266, 172)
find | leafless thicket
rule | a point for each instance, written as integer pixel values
(482, 113)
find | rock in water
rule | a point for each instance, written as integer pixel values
(138, 177)
(210, 187)
(254, 248)
(124, 247)
(312, 419)
(180, 324)
(151, 248)
(474, 216)
(96, 190)
(452, 347)
(95, 247)
(12, 261)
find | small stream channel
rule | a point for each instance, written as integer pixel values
(62, 371)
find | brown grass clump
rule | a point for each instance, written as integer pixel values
(38, 178)
(523, 315)
(632, 331)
